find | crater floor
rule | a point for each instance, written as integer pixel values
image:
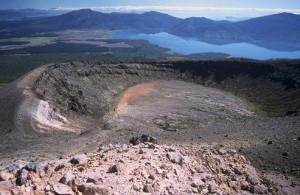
(172, 110)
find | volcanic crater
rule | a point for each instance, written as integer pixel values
(63, 109)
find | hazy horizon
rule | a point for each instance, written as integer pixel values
(228, 9)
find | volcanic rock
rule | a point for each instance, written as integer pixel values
(91, 189)
(79, 159)
(143, 139)
(62, 189)
(4, 176)
(175, 157)
(67, 179)
(21, 177)
(5, 187)
(114, 169)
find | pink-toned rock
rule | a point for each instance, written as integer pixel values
(5, 193)
(91, 189)
(175, 157)
(94, 177)
(6, 187)
(62, 189)
(203, 170)
(252, 176)
(35, 178)
(4, 176)
(222, 151)
(68, 178)
(212, 187)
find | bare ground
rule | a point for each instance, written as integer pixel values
(173, 111)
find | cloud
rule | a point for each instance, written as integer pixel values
(130, 8)
(188, 11)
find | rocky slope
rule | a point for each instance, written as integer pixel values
(64, 109)
(138, 169)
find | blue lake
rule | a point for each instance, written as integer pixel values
(191, 46)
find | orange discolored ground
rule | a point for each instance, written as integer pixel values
(132, 94)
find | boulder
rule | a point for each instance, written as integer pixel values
(5, 192)
(36, 167)
(62, 189)
(93, 176)
(80, 159)
(5, 187)
(22, 176)
(68, 178)
(34, 178)
(175, 157)
(114, 169)
(91, 189)
(4, 176)
(148, 188)
(222, 151)
(142, 139)
(59, 167)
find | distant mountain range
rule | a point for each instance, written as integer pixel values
(23, 14)
(283, 27)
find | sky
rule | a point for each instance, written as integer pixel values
(215, 9)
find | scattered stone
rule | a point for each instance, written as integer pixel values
(237, 171)
(68, 178)
(32, 166)
(197, 183)
(134, 141)
(175, 157)
(114, 169)
(59, 167)
(222, 151)
(62, 189)
(136, 187)
(79, 160)
(212, 188)
(5, 176)
(34, 178)
(141, 151)
(285, 154)
(21, 176)
(260, 189)
(270, 142)
(194, 190)
(148, 138)
(5, 187)
(151, 176)
(232, 151)
(91, 180)
(91, 189)
(148, 188)
(252, 178)
(93, 177)
(142, 139)
(47, 188)
(205, 171)
(16, 166)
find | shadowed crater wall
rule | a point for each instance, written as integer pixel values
(93, 89)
